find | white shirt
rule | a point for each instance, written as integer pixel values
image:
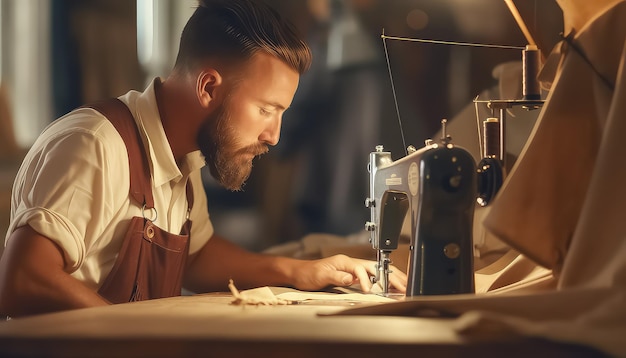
(73, 187)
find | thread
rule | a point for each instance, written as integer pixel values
(453, 43)
(531, 88)
(491, 135)
(393, 90)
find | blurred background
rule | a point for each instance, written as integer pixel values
(56, 55)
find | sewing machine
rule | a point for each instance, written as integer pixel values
(436, 187)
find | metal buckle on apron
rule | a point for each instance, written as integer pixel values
(148, 231)
(143, 213)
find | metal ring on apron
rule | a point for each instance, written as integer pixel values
(143, 213)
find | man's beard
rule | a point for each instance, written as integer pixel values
(217, 140)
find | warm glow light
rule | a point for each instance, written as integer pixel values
(145, 31)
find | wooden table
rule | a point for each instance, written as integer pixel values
(209, 326)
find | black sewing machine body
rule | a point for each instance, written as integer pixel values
(436, 186)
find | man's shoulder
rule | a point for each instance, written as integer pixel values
(84, 120)
(83, 130)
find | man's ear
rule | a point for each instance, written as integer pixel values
(208, 80)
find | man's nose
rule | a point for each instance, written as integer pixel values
(271, 134)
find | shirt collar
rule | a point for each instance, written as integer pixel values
(163, 166)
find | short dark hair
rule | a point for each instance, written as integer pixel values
(236, 30)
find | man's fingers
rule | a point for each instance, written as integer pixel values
(358, 268)
(364, 278)
(398, 282)
(364, 269)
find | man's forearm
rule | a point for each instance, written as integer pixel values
(220, 260)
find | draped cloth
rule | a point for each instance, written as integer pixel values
(564, 203)
(561, 203)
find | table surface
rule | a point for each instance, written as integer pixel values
(209, 325)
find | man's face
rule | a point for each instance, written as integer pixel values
(247, 120)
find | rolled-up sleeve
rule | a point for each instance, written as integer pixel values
(65, 190)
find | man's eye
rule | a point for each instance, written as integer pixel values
(264, 112)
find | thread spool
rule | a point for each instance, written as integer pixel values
(531, 88)
(491, 134)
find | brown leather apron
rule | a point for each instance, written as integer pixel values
(151, 261)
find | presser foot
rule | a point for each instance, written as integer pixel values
(377, 289)
(380, 283)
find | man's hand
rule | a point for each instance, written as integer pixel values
(341, 270)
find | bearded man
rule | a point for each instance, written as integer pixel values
(103, 203)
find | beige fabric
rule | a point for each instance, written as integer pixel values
(577, 13)
(513, 272)
(266, 296)
(538, 201)
(562, 203)
(256, 296)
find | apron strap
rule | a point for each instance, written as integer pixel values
(122, 119)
